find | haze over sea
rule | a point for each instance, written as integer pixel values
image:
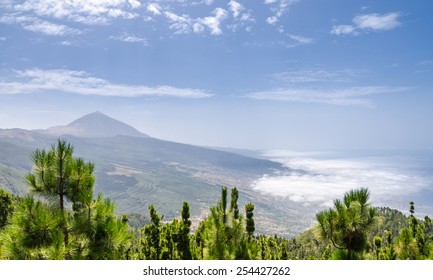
(394, 178)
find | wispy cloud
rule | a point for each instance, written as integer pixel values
(368, 22)
(35, 24)
(357, 96)
(318, 85)
(425, 63)
(278, 9)
(84, 11)
(134, 4)
(242, 17)
(154, 8)
(52, 17)
(298, 40)
(344, 30)
(68, 43)
(377, 22)
(80, 82)
(50, 28)
(184, 24)
(424, 66)
(315, 76)
(130, 39)
(60, 17)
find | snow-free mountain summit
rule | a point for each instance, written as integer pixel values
(97, 125)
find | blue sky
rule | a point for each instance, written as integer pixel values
(265, 74)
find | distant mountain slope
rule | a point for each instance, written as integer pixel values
(23, 137)
(136, 170)
(96, 125)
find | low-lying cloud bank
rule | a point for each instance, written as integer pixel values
(319, 180)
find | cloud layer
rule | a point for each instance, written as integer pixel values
(215, 17)
(328, 179)
(358, 96)
(38, 25)
(80, 82)
(83, 11)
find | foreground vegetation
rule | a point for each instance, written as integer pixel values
(62, 219)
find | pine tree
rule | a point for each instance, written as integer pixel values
(377, 245)
(347, 224)
(249, 208)
(199, 241)
(412, 219)
(168, 236)
(183, 244)
(6, 207)
(108, 237)
(224, 228)
(49, 229)
(151, 233)
(57, 175)
(34, 230)
(406, 245)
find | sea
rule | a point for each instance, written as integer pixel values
(393, 177)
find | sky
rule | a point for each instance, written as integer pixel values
(264, 74)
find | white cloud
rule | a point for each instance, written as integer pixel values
(176, 18)
(343, 30)
(130, 39)
(134, 4)
(80, 82)
(343, 96)
(68, 43)
(12, 19)
(319, 181)
(235, 8)
(246, 17)
(213, 22)
(182, 24)
(84, 11)
(377, 22)
(41, 26)
(154, 8)
(242, 18)
(278, 8)
(197, 27)
(300, 39)
(315, 76)
(104, 12)
(272, 20)
(368, 22)
(49, 28)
